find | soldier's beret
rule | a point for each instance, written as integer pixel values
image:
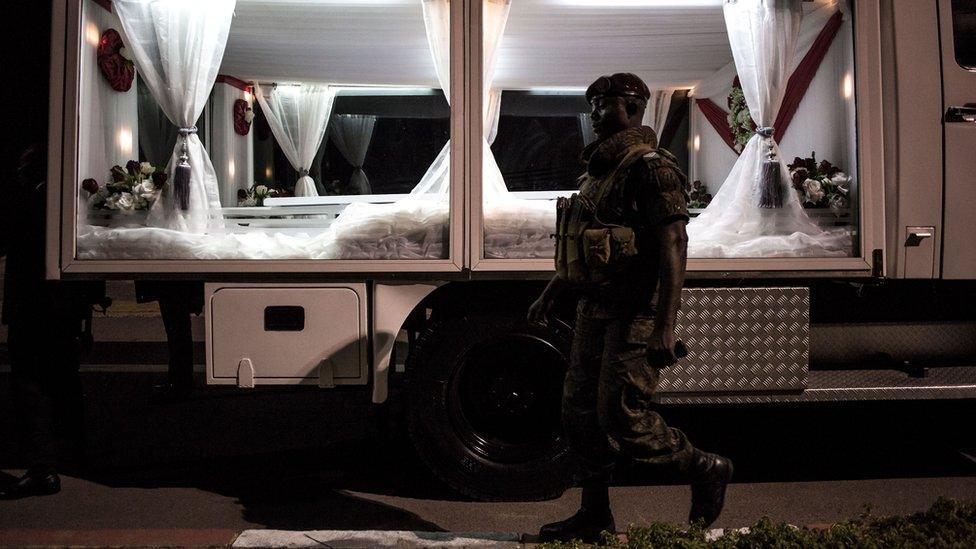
(621, 84)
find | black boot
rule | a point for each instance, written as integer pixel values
(586, 525)
(32, 484)
(709, 475)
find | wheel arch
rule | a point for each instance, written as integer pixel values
(395, 303)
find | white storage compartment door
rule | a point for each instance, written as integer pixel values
(279, 335)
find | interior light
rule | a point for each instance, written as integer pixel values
(697, 143)
(92, 36)
(124, 139)
(268, 173)
(247, 96)
(230, 169)
(847, 88)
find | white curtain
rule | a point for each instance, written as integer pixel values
(437, 22)
(351, 134)
(656, 114)
(178, 46)
(763, 35)
(718, 84)
(298, 116)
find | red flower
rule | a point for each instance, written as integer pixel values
(118, 174)
(799, 176)
(241, 125)
(132, 167)
(827, 169)
(90, 185)
(241, 194)
(117, 70)
(159, 178)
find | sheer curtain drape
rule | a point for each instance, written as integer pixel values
(178, 46)
(351, 134)
(437, 22)
(763, 35)
(298, 116)
(656, 114)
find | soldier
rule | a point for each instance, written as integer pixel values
(49, 323)
(620, 241)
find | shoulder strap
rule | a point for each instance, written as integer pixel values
(633, 154)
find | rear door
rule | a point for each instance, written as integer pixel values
(957, 19)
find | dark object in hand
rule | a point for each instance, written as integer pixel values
(661, 358)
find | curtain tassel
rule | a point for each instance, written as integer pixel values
(770, 174)
(181, 177)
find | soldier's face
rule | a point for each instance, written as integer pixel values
(608, 115)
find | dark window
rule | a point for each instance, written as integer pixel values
(540, 138)
(964, 32)
(409, 132)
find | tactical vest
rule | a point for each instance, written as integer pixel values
(593, 242)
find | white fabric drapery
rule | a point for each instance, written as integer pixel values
(437, 22)
(298, 116)
(178, 46)
(351, 134)
(656, 113)
(763, 35)
(717, 85)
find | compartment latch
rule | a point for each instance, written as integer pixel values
(245, 374)
(327, 374)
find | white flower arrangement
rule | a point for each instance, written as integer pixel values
(131, 189)
(255, 195)
(820, 184)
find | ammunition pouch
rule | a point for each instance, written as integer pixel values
(589, 250)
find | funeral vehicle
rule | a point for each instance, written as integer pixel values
(367, 189)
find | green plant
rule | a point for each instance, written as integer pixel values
(947, 524)
(739, 117)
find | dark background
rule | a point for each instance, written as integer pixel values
(25, 71)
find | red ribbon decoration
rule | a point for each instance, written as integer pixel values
(718, 118)
(796, 87)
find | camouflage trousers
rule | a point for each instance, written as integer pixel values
(607, 409)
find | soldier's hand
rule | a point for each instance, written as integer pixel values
(539, 310)
(661, 348)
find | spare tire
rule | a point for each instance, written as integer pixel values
(483, 397)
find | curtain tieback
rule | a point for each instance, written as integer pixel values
(181, 179)
(302, 172)
(770, 174)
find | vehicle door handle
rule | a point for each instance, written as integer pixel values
(917, 234)
(966, 114)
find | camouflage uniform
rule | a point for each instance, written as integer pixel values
(607, 409)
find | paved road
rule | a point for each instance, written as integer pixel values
(199, 471)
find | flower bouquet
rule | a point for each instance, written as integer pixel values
(739, 117)
(255, 195)
(131, 189)
(820, 185)
(698, 196)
